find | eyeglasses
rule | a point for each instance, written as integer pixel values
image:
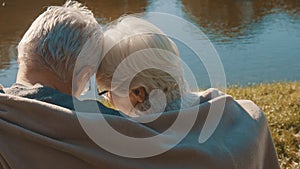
(102, 93)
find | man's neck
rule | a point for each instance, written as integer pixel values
(32, 76)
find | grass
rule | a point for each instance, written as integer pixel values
(280, 102)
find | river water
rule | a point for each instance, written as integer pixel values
(257, 41)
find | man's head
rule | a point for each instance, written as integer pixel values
(59, 39)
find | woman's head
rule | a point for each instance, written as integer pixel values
(139, 53)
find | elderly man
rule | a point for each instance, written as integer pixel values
(59, 39)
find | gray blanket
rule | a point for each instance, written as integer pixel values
(39, 135)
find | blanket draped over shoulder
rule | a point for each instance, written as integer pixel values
(38, 135)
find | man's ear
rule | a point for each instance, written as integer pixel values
(139, 94)
(81, 78)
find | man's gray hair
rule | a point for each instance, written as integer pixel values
(59, 35)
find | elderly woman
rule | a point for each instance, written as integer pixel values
(141, 73)
(140, 48)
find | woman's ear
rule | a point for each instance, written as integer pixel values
(139, 94)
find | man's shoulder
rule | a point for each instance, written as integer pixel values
(41, 93)
(53, 96)
(17, 89)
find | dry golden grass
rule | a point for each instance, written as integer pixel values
(280, 102)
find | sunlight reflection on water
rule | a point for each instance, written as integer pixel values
(257, 41)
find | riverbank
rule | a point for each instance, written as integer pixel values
(280, 102)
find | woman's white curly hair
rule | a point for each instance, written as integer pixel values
(129, 36)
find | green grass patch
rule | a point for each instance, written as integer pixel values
(280, 102)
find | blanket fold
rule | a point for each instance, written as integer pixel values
(38, 135)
